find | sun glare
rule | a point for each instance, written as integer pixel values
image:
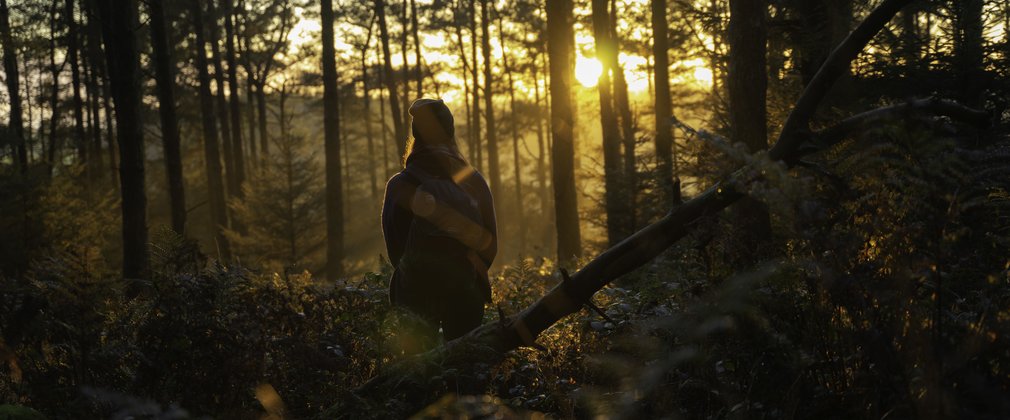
(588, 71)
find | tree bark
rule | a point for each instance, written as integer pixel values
(478, 142)
(560, 47)
(94, 70)
(73, 45)
(221, 103)
(629, 172)
(418, 74)
(165, 79)
(612, 165)
(15, 119)
(489, 343)
(494, 170)
(331, 133)
(514, 122)
(54, 99)
(233, 98)
(389, 77)
(367, 99)
(669, 181)
(969, 52)
(212, 155)
(119, 18)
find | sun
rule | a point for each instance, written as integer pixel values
(588, 71)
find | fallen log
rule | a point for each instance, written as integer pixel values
(405, 387)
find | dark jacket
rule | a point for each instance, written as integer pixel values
(397, 215)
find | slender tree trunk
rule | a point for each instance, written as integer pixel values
(541, 153)
(249, 86)
(405, 71)
(261, 108)
(418, 74)
(668, 181)
(400, 133)
(612, 165)
(165, 78)
(367, 104)
(220, 101)
(94, 131)
(73, 45)
(747, 84)
(54, 100)
(233, 99)
(119, 19)
(560, 46)
(629, 173)
(110, 132)
(95, 65)
(471, 136)
(969, 52)
(212, 155)
(331, 130)
(517, 164)
(492, 136)
(383, 128)
(479, 143)
(15, 122)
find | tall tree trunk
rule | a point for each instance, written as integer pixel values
(541, 152)
(492, 136)
(517, 164)
(969, 52)
(405, 71)
(478, 144)
(165, 78)
(560, 47)
(261, 110)
(331, 133)
(54, 99)
(95, 31)
(233, 99)
(221, 103)
(249, 85)
(623, 104)
(15, 123)
(212, 155)
(747, 84)
(367, 105)
(73, 45)
(471, 136)
(418, 74)
(119, 18)
(669, 182)
(399, 130)
(96, 67)
(612, 164)
(383, 128)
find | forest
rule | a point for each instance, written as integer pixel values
(705, 209)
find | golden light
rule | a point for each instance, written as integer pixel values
(588, 71)
(703, 75)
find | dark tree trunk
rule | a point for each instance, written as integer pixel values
(212, 155)
(560, 47)
(669, 182)
(621, 101)
(418, 74)
(514, 122)
(478, 142)
(233, 99)
(405, 71)
(15, 123)
(54, 99)
(119, 19)
(541, 150)
(331, 133)
(220, 101)
(399, 131)
(494, 170)
(367, 105)
(612, 164)
(261, 110)
(471, 136)
(165, 78)
(73, 45)
(968, 49)
(747, 84)
(95, 70)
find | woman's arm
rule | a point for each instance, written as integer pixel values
(396, 217)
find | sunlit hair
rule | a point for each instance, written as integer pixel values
(431, 125)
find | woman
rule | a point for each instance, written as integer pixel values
(438, 221)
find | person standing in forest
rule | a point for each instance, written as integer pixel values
(438, 221)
